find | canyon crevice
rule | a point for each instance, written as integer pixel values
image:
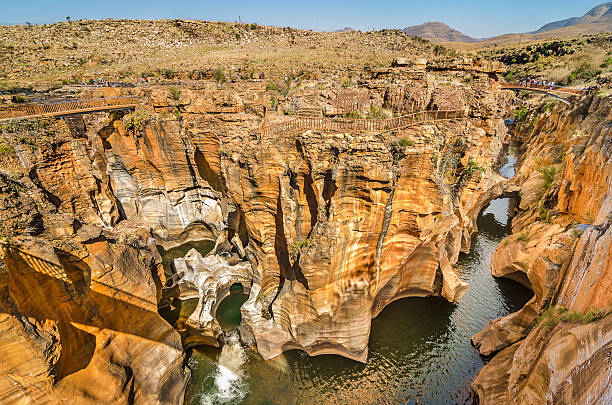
(110, 219)
(554, 349)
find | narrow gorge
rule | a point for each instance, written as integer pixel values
(177, 252)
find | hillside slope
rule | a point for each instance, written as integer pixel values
(601, 14)
(438, 32)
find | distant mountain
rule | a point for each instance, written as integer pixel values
(438, 32)
(601, 14)
(345, 29)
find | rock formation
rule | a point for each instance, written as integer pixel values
(560, 248)
(322, 230)
(109, 217)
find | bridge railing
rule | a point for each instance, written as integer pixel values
(67, 107)
(359, 125)
(541, 87)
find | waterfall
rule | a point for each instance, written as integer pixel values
(230, 384)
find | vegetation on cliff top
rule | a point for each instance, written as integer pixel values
(554, 315)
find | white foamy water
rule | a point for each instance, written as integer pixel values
(230, 384)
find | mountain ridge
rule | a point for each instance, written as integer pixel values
(438, 32)
(601, 14)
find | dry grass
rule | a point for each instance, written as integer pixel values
(80, 50)
(593, 50)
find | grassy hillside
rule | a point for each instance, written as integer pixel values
(80, 50)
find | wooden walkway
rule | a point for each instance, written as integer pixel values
(358, 125)
(67, 107)
(540, 88)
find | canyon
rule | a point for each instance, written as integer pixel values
(122, 232)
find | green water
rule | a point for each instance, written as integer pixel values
(419, 348)
(228, 311)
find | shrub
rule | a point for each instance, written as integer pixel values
(136, 121)
(271, 86)
(252, 26)
(548, 175)
(406, 142)
(18, 99)
(6, 149)
(522, 237)
(520, 113)
(583, 72)
(377, 113)
(511, 75)
(219, 75)
(550, 105)
(469, 78)
(175, 93)
(472, 167)
(351, 114)
(167, 73)
(554, 315)
(544, 214)
(607, 63)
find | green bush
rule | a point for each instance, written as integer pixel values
(406, 142)
(377, 113)
(219, 75)
(511, 75)
(554, 315)
(175, 93)
(520, 113)
(6, 149)
(271, 86)
(167, 73)
(18, 99)
(583, 72)
(354, 115)
(472, 167)
(136, 121)
(522, 237)
(548, 175)
(544, 214)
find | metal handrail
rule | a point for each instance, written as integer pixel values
(67, 107)
(359, 125)
(541, 87)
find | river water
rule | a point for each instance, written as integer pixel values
(419, 349)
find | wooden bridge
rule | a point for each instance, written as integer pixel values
(541, 88)
(358, 125)
(60, 108)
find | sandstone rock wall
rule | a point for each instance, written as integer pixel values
(560, 248)
(322, 230)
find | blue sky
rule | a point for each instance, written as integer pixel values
(475, 18)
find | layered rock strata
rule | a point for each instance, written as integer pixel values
(322, 230)
(560, 248)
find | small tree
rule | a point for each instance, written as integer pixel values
(68, 18)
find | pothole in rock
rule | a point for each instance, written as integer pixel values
(228, 312)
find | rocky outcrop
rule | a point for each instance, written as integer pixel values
(560, 248)
(345, 231)
(569, 365)
(322, 230)
(87, 312)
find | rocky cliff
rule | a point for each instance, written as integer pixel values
(322, 230)
(557, 348)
